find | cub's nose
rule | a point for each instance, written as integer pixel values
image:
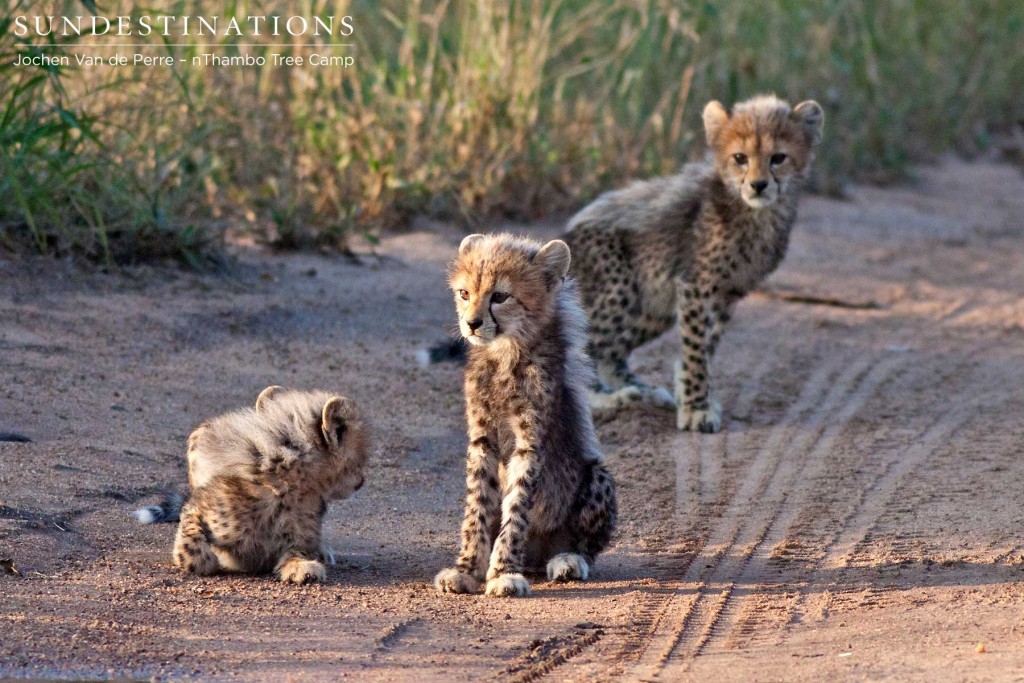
(759, 185)
(474, 325)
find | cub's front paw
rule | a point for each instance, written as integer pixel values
(508, 586)
(568, 567)
(454, 581)
(707, 420)
(298, 570)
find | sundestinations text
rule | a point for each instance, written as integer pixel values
(166, 25)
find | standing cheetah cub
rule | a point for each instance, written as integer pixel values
(686, 248)
(535, 485)
(260, 480)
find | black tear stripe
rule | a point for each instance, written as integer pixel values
(497, 327)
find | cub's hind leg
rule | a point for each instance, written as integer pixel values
(617, 328)
(590, 526)
(612, 301)
(618, 386)
(192, 550)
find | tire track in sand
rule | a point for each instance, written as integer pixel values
(862, 524)
(804, 533)
(714, 451)
(739, 568)
(817, 550)
(653, 605)
(690, 618)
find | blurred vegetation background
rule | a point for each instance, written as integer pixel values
(466, 110)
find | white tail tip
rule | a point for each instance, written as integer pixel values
(144, 515)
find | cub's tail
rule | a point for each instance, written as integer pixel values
(167, 511)
(452, 350)
(14, 438)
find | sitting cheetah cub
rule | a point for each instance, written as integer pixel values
(687, 247)
(535, 484)
(260, 480)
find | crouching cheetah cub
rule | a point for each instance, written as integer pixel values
(260, 481)
(686, 248)
(536, 489)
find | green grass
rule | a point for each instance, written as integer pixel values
(471, 111)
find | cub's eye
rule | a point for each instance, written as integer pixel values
(740, 159)
(499, 297)
(463, 294)
(777, 159)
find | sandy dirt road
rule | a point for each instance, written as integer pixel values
(861, 516)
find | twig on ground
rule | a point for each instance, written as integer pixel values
(798, 298)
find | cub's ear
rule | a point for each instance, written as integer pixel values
(554, 259)
(266, 395)
(811, 118)
(468, 241)
(715, 116)
(339, 414)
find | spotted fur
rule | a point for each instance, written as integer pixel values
(684, 249)
(260, 482)
(537, 491)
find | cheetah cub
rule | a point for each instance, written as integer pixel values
(260, 480)
(536, 489)
(686, 248)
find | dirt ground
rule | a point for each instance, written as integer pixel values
(859, 517)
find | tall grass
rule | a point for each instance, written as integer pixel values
(470, 110)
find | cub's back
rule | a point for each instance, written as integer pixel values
(235, 443)
(614, 238)
(645, 205)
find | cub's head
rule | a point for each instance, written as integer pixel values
(321, 422)
(763, 146)
(506, 287)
